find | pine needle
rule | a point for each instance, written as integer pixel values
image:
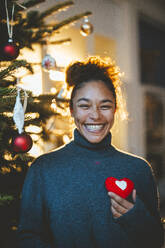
(11, 68)
(54, 9)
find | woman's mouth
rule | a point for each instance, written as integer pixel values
(94, 127)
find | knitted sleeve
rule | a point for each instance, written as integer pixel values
(32, 231)
(142, 223)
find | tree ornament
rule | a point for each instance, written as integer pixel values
(10, 51)
(48, 62)
(86, 28)
(22, 142)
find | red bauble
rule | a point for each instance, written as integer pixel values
(22, 143)
(10, 51)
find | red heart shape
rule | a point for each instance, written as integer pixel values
(122, 187)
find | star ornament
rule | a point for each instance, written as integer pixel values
(122, 187)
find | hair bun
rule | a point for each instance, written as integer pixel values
(73, 73)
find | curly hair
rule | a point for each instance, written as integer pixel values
(93, 69)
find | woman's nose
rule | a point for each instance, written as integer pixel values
(94, 114)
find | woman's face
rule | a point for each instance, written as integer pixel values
(93, 110)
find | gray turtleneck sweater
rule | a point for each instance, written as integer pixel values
(65, 203)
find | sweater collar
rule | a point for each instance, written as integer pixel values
(81, 141)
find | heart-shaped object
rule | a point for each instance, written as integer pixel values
(122, 187)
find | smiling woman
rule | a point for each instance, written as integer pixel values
(93, 111)
(64, 200)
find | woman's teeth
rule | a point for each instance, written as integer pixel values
(94, 128)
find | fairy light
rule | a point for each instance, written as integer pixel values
(53, 106)
(53, 90)
(35, 137)
(32, 115)
(33, 129)
(5, 170)
(8, 114)
(8, 156)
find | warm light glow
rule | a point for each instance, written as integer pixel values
(58, 132)
(20, 72)
(66, 112)
(53, 106)
(33, 56)
(8, 156)
(35, 151)
(124, 115)
(14, 228)
(66, 139)
(32, 115)
(8, 114)
(33, 83)
(33, 129)
(19, 169)
(75, 50)
(57, 75)
(5, 170)
(35, 137)
(53, 90)
(122, 74)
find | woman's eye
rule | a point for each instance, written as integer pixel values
(106, 107)
(84, 106)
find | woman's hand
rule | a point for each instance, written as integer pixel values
(119, 205)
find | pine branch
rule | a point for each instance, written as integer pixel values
(7, 104)
(16, 64)
(5, 91)
(6, 83)
(6, 199)
(71, 20)
(58, 42)
(30, 27)
(39, 37)
(35, 19)
(31, 3)
(54, 9)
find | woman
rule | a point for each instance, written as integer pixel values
(64, 200)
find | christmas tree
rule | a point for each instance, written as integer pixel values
(22, 25)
